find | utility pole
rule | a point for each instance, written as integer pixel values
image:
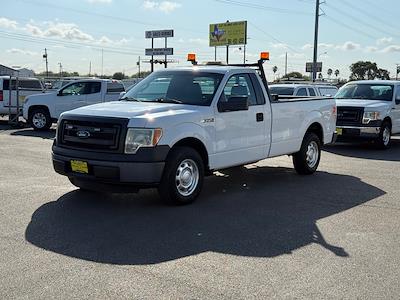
(60, 69)
(90, 67)
(285, 64)
(47, 63)
(138, 64)
(314, 69)
(244, 54)
(102, 62)
(397, 70)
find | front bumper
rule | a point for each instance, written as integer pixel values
(143, 169)
(355, 132)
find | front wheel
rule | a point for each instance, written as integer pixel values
(40, 119)
(183, 177)
(306, 161)
(384, 139)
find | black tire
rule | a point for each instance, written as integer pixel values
(302, 164)
(43, 114)
(168, 189)
(383, 142)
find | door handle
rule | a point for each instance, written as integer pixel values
(260, 117)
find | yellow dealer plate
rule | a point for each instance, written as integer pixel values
(339, 131)
(79, 166)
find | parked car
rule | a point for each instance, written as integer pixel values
(178, 125)
(42, 110)
(26, 87)
(368, 110)
(304, 90)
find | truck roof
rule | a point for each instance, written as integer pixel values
(395, 82)
(209, 68)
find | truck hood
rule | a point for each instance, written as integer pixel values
(370, 104)
(40, 96)
(140, 113)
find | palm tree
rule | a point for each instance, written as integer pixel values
(337, 73)
(329, 72)
(274, 69)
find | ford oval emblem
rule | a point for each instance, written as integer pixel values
(83, 134)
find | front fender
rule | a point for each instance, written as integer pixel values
(174, 134)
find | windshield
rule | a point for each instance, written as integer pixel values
(366, 92)
(185, 87)
(281, 90)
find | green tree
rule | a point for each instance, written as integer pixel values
(329, 72)
(118, 76)
(294, 75)
(337, 72)
(362, 70)
(383, 74)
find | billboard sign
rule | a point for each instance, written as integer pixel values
(159, 51)
(155, 34)
(229, 33)
(309, 67)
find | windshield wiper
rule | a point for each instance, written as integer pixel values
(130, 99)
(168, 100)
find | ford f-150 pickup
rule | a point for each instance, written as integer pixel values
(368, 110)
(178, 125)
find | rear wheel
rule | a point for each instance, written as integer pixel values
(306, 161)
(40, 119)
(384, 139)
(183, 177)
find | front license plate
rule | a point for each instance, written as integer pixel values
(339, 131)
(79, 166)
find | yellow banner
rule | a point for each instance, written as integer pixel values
(231, 33)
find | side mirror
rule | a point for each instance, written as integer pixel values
(275, 97)
(122, 94)
(397, 101)
(59, 93)
(233, 104)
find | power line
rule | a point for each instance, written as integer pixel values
(349, 27)
(373, 17)
(263, 7)
(272, 37)
(352, 17)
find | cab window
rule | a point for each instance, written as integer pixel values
(93, 88)
(239, 86)
(311, 91)
(75, 89)
(302, 92)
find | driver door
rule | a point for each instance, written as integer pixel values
(396, 111)
(72, 96)
(240, 135)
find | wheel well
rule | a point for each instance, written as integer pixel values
(32, 108)
(317, 129)
(197, 145)
(387, 119)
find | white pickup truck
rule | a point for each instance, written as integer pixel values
(368, 110)
(178, 125)
(41, 110)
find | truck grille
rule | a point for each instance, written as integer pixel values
(348, 116)
(92, 134)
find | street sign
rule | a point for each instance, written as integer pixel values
(155, 34)
(229, 33)
(309, 67)
(159, 51)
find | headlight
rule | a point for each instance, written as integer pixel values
(370, 116)
(141, 137)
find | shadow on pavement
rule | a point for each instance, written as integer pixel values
(367, 151)
(258, 212)
(48, 134)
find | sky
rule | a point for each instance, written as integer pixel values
(80, 33)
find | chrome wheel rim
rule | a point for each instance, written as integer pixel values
(312, 154)
(39, 120)
(386, 136)
(187, 177)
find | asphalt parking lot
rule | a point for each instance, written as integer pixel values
(256, 232)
